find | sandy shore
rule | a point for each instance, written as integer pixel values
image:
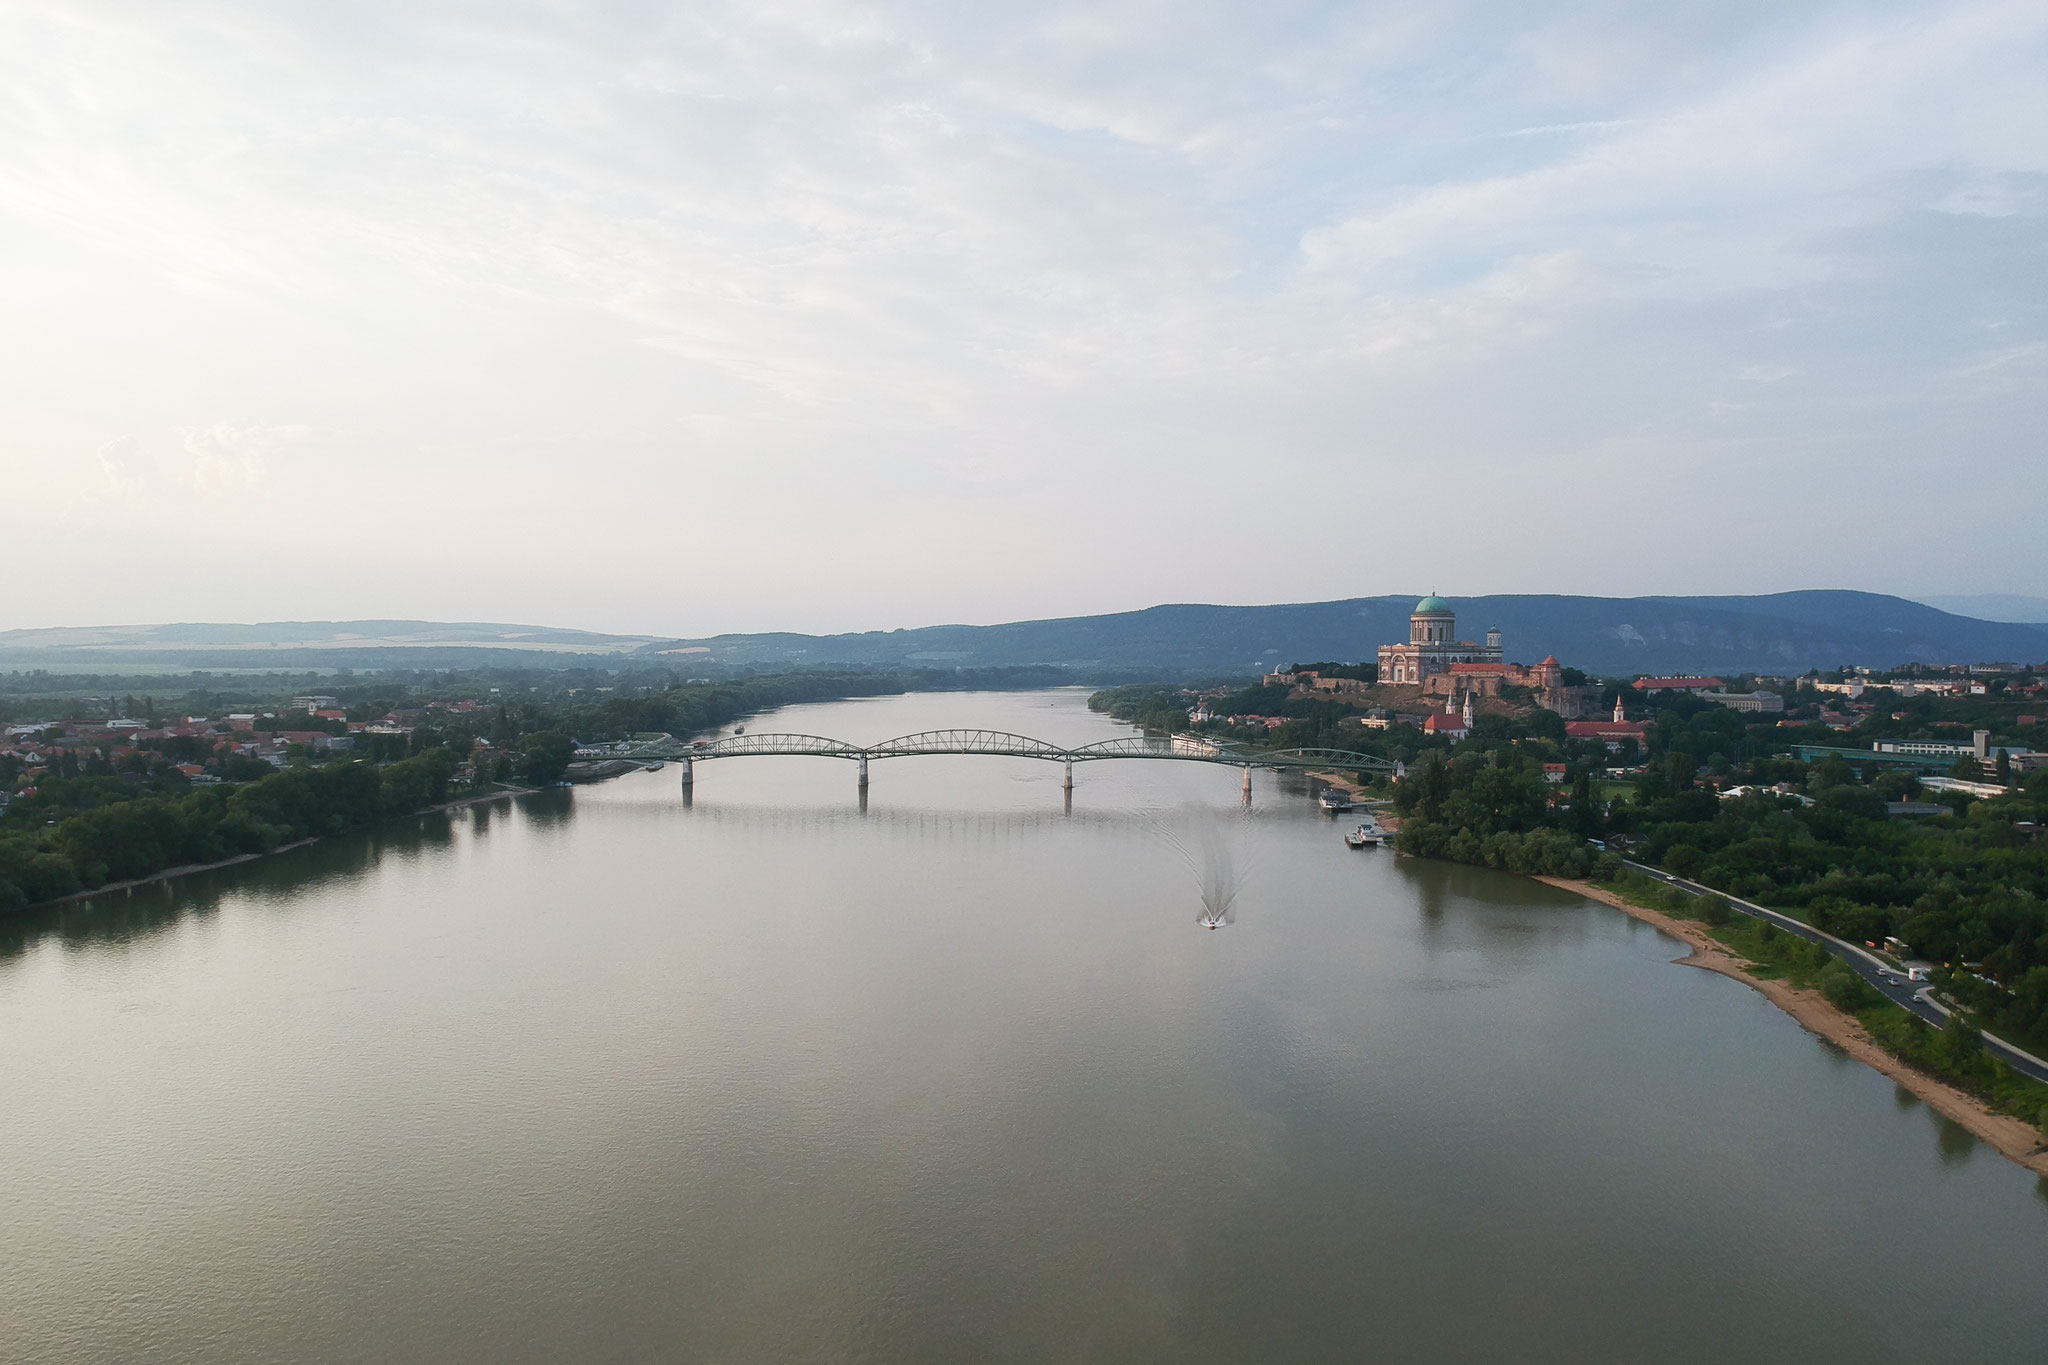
(2013, 1137)
(188, 869)
(1337, 780)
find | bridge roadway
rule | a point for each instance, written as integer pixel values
(991, 743)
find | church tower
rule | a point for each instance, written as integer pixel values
(1620, 712)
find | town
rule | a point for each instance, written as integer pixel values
(1959, 729)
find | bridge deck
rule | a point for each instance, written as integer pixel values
(996, 743)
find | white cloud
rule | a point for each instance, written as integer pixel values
(224, 459)
(122, 468)
(819, 267)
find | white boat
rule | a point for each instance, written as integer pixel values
(1367, 835)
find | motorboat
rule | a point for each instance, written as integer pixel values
(1367, 835)
(1336, 799)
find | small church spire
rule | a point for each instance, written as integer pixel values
(1620, 712)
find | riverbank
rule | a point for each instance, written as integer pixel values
(2013, 1138)
(1338, 780)
(187, 869)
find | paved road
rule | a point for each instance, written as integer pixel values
(1868, 965)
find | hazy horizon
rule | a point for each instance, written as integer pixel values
(824, 317)
(1995, 608)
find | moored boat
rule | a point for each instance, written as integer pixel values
(1367, 835)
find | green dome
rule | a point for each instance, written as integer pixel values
(1432, 603)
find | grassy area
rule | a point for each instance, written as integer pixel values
(1954, 1054)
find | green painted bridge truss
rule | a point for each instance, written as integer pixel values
(988, 743)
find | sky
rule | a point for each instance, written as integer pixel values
(806, 315)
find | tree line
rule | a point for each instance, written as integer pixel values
(80, 832)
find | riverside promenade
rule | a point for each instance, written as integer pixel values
(1868, 965)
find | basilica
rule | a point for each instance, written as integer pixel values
(1433, 646)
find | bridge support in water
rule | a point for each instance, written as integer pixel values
(689, 782)
(1182, 748)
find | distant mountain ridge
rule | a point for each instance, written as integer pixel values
(1774, 633)
(1993, 606)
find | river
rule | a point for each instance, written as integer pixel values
(597, 1075)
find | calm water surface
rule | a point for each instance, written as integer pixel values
(602, 1077)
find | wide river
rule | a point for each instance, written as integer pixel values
(599, 1075)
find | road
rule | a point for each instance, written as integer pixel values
(1868, 965)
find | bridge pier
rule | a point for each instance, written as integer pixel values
(1247, 784)
(689, 781)
(863, 779)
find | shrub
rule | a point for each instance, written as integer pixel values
(1961, 1040)
(1844, 989)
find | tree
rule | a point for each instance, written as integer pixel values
(1713, 908)
(1845, 990)
(546, 756)
(1832, 771)
(1960, 1040)
(1427, 787)
(1585, 807)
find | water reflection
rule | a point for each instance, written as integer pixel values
(135, 914)
(1955, 1142)
(749, 1081)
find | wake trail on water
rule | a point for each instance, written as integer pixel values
(1217, 848)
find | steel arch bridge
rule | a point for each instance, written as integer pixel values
(992, 743)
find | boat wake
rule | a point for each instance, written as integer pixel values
(1217, 848)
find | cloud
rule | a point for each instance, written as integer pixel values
(122, 467)
(225, 459)
(817, 267)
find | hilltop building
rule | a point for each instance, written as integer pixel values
(1433, 646)
(1442, 665)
